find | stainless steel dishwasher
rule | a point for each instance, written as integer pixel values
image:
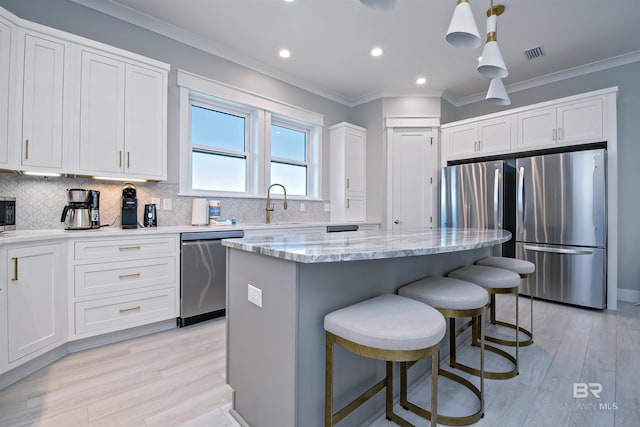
(203, 271)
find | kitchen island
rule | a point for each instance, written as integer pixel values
(280, 288)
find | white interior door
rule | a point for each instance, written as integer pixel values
(413, 164)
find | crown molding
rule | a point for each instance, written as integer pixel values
(616, 61)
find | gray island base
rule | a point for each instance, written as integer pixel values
(275, 352)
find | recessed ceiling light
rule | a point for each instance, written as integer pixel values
(376, 51)
(421, 80)
(289, 1)
(284, 53)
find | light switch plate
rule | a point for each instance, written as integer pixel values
(166, 204)
(327, 207)
(254, 295)
(156, 201)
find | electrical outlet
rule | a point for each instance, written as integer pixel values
(302, 207)
(156, 201)
(254, 295)
(327, 207)
(166, 204)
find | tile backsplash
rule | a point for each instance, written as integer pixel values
(39, 203)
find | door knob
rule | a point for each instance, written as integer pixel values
(397, 221)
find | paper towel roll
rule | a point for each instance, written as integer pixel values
(200, 212)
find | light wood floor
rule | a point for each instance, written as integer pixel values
(176, 378)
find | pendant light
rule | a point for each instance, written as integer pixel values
(491, 63)
(497, 94)
(463, 31)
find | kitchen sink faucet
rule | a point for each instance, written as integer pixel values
(271, 207)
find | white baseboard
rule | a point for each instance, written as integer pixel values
(629, 295)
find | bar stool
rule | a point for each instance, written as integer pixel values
(495, 281)
(390, 328)
(454, 299)
(523, 268)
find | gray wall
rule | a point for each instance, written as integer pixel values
(626, 78)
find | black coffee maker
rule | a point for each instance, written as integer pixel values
(94, 208)
(129, 206)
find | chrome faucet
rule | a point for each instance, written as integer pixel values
(270, 208)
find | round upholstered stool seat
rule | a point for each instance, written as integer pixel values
(495, 281)
(518, 266)
(387, 327)
(454, 299)
(524, 269)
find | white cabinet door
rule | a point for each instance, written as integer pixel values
(464, 141)
(145, 142)
(122, 118)
(581, 122)
(348, 172)
(354, 151)
(36, 299)
(42, 103)
(494, 136)
(5, 67)
(102, 85)
(536, 129)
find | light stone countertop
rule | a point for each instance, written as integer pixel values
(367, 245)
(23, 236)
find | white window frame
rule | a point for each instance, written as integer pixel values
(246, 154)
(261, 111)
(289, 124)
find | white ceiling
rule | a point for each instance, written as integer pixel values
(330, 41)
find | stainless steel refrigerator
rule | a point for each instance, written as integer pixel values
(480, 195)
(561, 221)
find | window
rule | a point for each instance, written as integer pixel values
(289, 165)
(218, 147)
(235, 143)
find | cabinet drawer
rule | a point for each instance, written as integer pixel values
(125, 248)
(95, 279)
(115, 313)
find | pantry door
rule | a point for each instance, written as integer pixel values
(413, 162)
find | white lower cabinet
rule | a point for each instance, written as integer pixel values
(36, 300)
(123, 283)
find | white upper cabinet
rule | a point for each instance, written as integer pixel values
(568, 124)
(78, 106)
(43, 103)
(6, 54)
(348, 172)
(575, 120)
(122, 118)
(481, 138)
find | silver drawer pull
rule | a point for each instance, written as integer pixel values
(559, 250)
(129, 248)
(124, 310)
(128, 276)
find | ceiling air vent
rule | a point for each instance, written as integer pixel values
(534, 53)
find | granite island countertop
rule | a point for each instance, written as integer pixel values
(367, 245)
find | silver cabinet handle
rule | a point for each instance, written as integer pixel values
(559, 134)
(558, 250)
(553, 134)
(128, 159)
(26, 149)
(129, 248)
(120, 158)
(129, 276)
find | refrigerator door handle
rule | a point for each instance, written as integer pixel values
(520, 200)
(558, 250)
(496, 179)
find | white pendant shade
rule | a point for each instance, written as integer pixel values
(463, 31)
(491, 63)
(497, 94)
